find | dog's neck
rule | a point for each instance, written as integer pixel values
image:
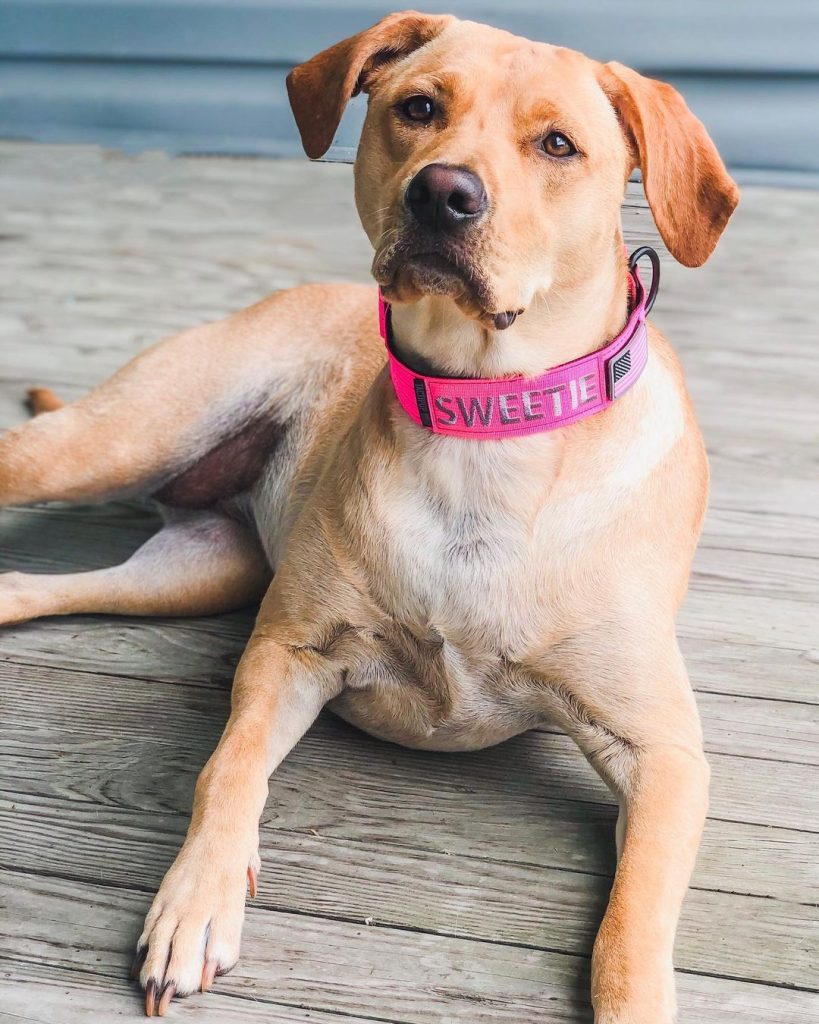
(565, 323)
(568, 320)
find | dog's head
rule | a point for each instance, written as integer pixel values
(491, 168)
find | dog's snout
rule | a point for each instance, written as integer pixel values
(444, 198)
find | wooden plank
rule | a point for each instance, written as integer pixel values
(793, 533)
(752, 529)
(776, 483)
(717, 665)
(753, 619)
(63, 538)
(54, 995)
(32, 993)
(79, 536)
(155, 216)
(295, 960)
(342, 967)
(202, 651)
(63, 996)
(776, 575)
(764, 653)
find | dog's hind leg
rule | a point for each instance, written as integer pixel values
(237, 382)
(199, 563)
(128, 433)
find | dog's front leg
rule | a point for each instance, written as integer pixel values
(636, 721)
(193, 929)
(664, 797)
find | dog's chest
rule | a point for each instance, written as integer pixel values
(467, 569)
(458, 584)
(481, 564)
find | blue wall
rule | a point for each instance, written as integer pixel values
(208, 75)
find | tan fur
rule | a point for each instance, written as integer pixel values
(441, 593)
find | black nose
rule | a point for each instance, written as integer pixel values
(446, 198)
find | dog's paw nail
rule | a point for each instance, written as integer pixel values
(208, 974)
(168, 992)
(150, 997)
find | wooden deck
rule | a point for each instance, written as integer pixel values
(397, 886)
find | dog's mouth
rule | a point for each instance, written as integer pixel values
(406, 273)
(439, 271)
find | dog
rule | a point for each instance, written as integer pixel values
(466, 541)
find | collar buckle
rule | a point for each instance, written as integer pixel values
(624, 367)
(654, 260)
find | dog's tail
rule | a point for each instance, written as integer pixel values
(42, 400)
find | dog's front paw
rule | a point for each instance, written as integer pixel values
(194, 927)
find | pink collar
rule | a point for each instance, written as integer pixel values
(513, 406)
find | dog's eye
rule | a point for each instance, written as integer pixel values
(418, 108)
(557, 144)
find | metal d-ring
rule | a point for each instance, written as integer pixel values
(654, 287)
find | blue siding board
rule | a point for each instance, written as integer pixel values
(208, 75)
(701, 35)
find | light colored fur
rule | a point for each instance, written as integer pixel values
(442, 593)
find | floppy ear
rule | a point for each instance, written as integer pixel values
(688, 189)
(320, 88)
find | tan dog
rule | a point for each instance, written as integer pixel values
(439, 592)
